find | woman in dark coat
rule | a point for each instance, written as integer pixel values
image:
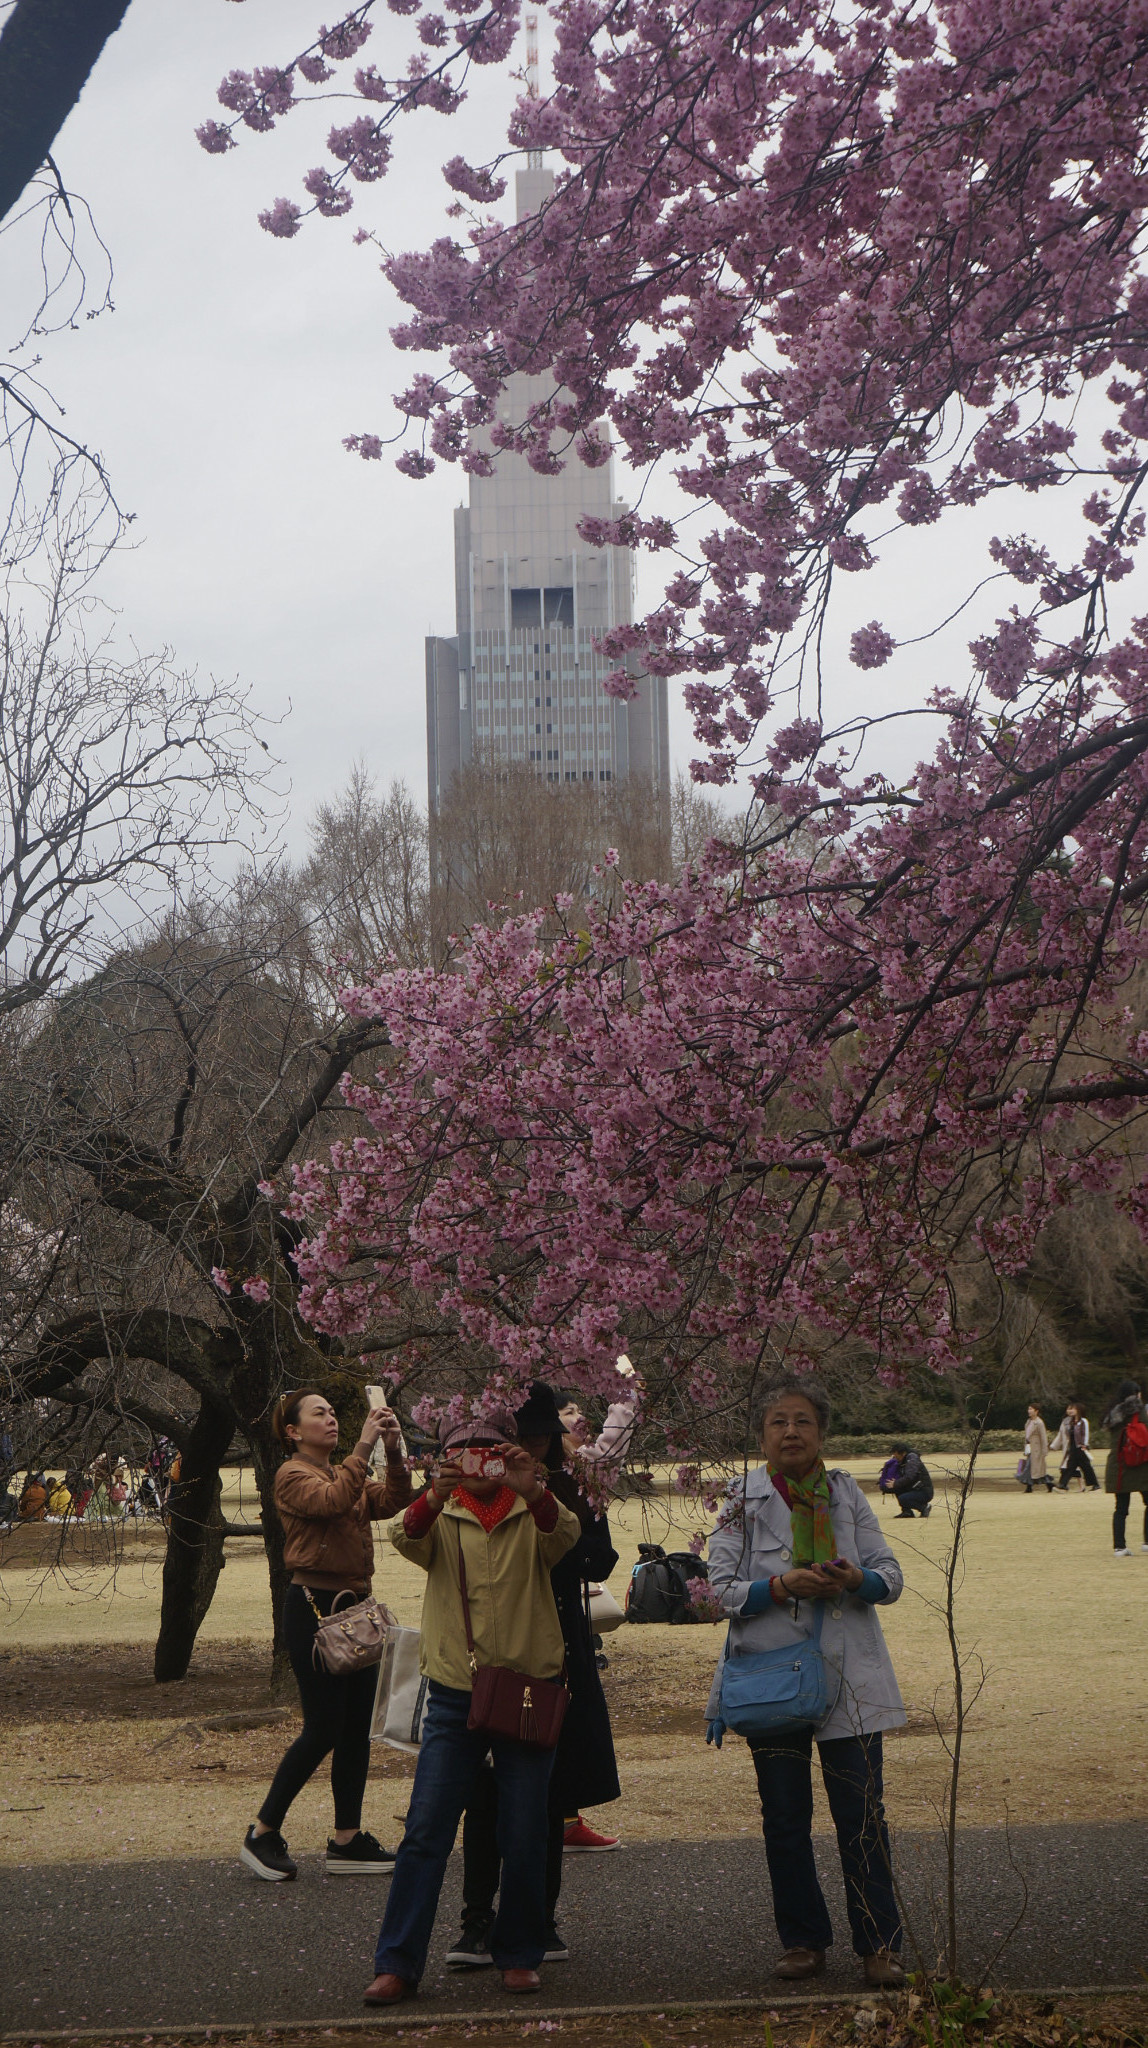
(1121, 1477)
(585, 1771)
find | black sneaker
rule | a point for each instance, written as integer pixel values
(267, 1856)
(556, 1950)
(472, 1949)
(362, 1856)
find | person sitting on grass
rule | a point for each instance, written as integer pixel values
(506, 1531)
(912, 1487)
(34, 1498)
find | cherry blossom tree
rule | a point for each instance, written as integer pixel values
(843, 272)
(845, 269)
(771, 1114)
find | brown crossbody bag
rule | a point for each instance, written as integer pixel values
(511, 1703)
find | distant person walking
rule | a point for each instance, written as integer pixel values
(1126, 1471)
(328, 1549)
(1036, 1450)
(1071, 1440)
(911, 1485)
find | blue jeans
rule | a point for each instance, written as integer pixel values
(913, 1497)
(851, 1769)
(450, 1758)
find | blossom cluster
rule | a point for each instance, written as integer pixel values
(780, 1107)
(843, 268)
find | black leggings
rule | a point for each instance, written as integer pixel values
(1120, 1520)
(336, 1716)
(1078, 1461)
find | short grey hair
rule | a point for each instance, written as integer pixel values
(792, 1383)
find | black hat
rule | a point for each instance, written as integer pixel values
(539, 1415)
(899, 1450)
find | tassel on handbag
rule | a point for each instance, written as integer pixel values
(511, 1703)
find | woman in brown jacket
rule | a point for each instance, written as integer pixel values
(328, 1549)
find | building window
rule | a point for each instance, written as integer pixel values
(525, 609)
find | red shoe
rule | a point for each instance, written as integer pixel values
(388, 1990)
(579, 1836)
(521, 1980)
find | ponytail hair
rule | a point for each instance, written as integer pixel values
(287, 1415)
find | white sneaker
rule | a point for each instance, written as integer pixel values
(1125, 1553)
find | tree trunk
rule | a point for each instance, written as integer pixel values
(194, 1556)
(267, 1456)
(47, 50)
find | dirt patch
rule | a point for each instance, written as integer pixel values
(115, 1683)
(899, 2021)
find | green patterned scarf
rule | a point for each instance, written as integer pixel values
(808, 1502)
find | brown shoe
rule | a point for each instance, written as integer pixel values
(388, 1990)
(800, 1962)
(521, 1980)
(883, 1971)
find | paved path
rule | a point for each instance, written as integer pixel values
(148, 1944)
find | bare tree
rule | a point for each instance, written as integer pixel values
(505, 840)
(366, 882)
(164, 1101)
(117, 778)
(695, 819)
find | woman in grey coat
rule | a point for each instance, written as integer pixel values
(792, 1536)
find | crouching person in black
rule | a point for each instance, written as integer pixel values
(912, 1486)
(585, 1772)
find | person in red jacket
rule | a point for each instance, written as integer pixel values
(1126, 1471)
(326, 1512)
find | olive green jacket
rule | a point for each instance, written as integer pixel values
(512, 1610)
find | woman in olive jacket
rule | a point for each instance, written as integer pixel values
(328, 1549)
(585, 1770)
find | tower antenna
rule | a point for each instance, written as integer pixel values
(533, 156)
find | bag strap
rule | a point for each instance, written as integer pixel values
(471, 1658)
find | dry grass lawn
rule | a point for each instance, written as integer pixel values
(95, 1760)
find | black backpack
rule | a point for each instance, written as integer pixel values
(659, 1585)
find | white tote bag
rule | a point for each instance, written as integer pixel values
(401, 1693)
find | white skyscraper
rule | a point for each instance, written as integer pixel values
(521, 680)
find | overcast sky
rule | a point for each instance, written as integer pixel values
(220, 388)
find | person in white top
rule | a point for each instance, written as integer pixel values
(1072, 1439)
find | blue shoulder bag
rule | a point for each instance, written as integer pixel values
(768, 1692)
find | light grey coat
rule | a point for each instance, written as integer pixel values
(753, 1540)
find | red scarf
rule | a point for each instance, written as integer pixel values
(489, 1512)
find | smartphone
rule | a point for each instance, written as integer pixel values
(479, 1464)
(378, 1397)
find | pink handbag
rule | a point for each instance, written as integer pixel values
(353, 1639)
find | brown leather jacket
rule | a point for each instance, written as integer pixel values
(327, 1518)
